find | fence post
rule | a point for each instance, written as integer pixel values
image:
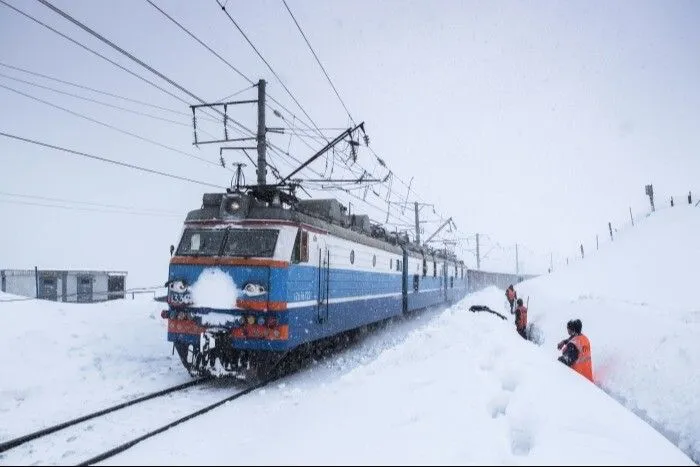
(610, 229)
(582, 251)
(596, 241)
(632, 218)
(36, 280)
(649, 190)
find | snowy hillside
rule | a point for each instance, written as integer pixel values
(639, 306)
(443, 386)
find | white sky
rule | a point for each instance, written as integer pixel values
(533, 123)
(442, 387)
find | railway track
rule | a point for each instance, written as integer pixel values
(97, 436)
(120, 425)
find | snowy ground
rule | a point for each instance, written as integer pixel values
(444, 386)
(639, 306)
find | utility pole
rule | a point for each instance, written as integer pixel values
(632, 217)
(517, 266)
(262, 146)
(551, 262)
(415, 206)
(596, 241)
(610, 229)
(478, 254)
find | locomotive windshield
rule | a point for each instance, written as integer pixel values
(253, 242)
(232, 242)
(201, 242)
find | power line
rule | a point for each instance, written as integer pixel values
(3, 2)
(103, 39)
(318, 61)
(223, 8)
(95, 90)
(107, 125)
(217, 55)
(240, 73)
(94, 52)
(74, 208)
(110, 161)
(97, 53)
(125, 53)
(193, 36)
(94, 100)
(88, 203)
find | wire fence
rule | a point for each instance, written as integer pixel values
(155, 291)
(656, 202)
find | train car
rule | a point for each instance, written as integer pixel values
(257, 274)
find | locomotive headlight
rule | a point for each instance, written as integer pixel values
(234, 206)
(177, 286)
(253, 290)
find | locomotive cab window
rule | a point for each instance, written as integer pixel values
(251, 243)
(201, 242)
(300, 254)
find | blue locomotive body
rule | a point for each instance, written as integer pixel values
(251, 280)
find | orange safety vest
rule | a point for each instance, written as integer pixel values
(510, 293)
(522, 322)
(583, 363)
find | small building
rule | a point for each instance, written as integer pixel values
(64, 286)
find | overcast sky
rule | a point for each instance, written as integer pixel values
(534, 123)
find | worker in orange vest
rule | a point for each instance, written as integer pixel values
(576, 350)
(511, 295)
(521, 318)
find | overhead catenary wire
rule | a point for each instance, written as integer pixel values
(121, 67)
(221, 58)
(80, 208)
(96, 101)
(192, 35)
(245, 36)
(3, 2)
(143, 63)
(318, 61)
(88, 88)
(107, 125)
(126, 54)
(88, 203)
(110, 161)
